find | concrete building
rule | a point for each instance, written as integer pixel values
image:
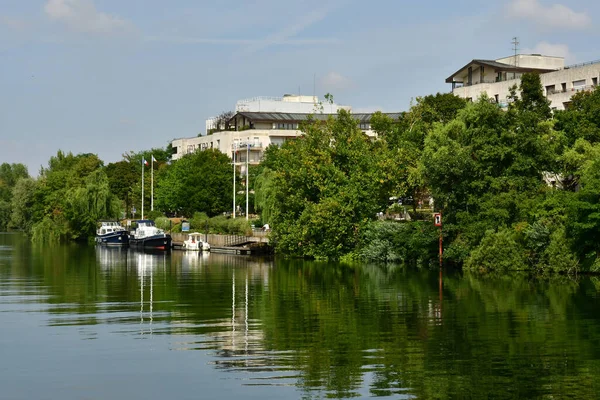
(289, 103)
(496, 77)
(260, 122)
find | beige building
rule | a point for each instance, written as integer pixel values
(496, 77)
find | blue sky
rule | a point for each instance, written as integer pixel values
(110, 76)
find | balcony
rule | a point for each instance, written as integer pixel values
(247, 145)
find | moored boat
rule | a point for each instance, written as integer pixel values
(195, 243)
(147, 236)
(111, 233)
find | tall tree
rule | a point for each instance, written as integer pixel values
(324, 187)
(197, 182)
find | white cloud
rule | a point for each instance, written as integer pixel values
(82, 16)
(334, 81)
(554, 16)
(553, 49)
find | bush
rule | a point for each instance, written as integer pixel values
(163, 223)
(198, 221)
(410, 242)
(498, 251)
(153, 215)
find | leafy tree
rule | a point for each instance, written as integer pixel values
(23, 204)
(9, 175)
(323, 188)
(197, 182)
(71, 194)
(532, 97)
(123, 177)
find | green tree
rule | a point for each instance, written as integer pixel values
(23, 204)
(9, 175)
(197, 182)
(323, 188)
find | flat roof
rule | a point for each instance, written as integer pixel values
(299, 117)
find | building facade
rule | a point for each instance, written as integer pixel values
(496, 77)
(289, 103)
(261, 122)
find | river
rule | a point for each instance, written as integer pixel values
(79, 322)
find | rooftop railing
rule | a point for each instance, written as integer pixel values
(259, 98)
(582, 64)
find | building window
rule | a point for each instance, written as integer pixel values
(550, 89)
(481, 74)
(595, 81)
(497, 98)
(579, 85)
(219, 144)
(365, 126)
(563, 87)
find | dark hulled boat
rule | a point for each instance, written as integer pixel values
(147, 236)
(110, 233)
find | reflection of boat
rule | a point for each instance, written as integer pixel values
(108, 257)
(195, 243)
(148, 237)
(110, 233)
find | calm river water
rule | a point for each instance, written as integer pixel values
(80, 322)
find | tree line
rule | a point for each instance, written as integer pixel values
(518, 188)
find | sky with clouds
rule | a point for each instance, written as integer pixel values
(110, 76)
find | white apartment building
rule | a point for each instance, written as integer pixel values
(250, 132)
(496, 77)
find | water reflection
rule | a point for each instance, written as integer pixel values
(326, 330)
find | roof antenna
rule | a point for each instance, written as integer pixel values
(515, 43)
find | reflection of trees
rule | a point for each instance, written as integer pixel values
(335, 329)
(512, 337)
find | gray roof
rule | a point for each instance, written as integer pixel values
(299, 117)
(498, 66)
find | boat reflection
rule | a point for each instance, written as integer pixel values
(111, 256)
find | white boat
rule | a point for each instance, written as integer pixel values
(195, 243)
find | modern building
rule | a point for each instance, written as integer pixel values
(496, 77)
(260, 122)
(289, 103)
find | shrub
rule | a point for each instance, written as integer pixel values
(498, 251)
(198, 221)
(163, 223)
(153, 215)
(411, 242)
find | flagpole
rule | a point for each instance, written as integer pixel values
(247, 155)
(143, 162)
(234, 151)
(152, 183)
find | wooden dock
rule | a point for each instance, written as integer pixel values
(232, 250)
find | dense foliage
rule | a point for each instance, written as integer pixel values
(323, 188)
(518, 187)
(201, 181)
